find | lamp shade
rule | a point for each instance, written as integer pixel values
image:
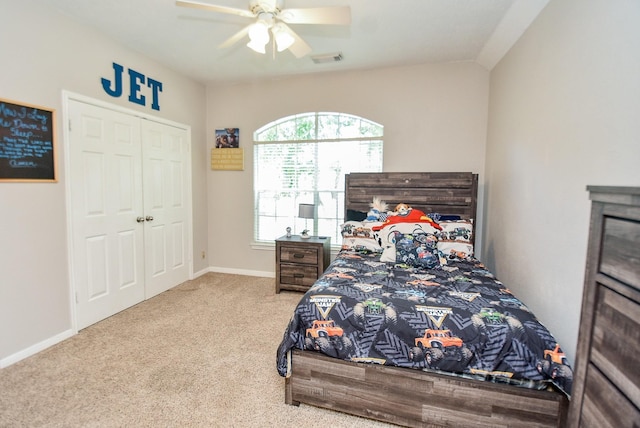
(306, 211)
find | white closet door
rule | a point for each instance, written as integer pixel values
(106, 199)
(165, 166)
(129, 190)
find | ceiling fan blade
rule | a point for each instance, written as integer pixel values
(299, 48)
(215, 8)
(235, 38)
(338, 15)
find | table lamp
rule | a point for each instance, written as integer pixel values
(306, 211)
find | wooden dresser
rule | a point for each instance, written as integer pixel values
(606, 389)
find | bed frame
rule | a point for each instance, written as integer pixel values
(413, 397)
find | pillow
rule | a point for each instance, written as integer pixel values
(454, 240)
(357, 236)
(437, 217)
(355, 215)
(452, 250)
(387, 237)
(417, 249)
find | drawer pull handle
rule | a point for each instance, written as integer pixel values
(298, 275)
(298, 256)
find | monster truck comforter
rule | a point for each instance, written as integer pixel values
(456, 318)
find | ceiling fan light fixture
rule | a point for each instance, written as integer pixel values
(259, 32)
(283, 39)
(257, 46)
(273, 16)
(258, 36)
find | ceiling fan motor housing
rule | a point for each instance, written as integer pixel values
(272, 7)
(266, 18)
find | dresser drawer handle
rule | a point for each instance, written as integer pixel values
(298, 256)
(298, 275)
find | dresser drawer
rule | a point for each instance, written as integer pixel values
(620, 257)
(299, 254)
(603, 404)
(616, 341)
(295, 274)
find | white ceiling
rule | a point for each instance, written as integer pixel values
(383, 33)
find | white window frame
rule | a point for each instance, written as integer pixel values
(300, 133)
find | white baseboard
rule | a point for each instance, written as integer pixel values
(265, 274)
(200, 273)
(38, 347)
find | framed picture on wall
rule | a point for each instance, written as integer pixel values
(227, 138)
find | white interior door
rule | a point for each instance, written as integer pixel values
(129, 192)
(165, 166)
(106, 192)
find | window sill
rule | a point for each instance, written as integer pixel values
(262, 245)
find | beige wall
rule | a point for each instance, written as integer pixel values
(427, 111)
(564, 113)
(43, 54)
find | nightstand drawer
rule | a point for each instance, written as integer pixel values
(299, 254)
(295, 274)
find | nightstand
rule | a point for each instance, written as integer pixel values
(300, 262)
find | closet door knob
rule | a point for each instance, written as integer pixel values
(149, 218)
(140, 219)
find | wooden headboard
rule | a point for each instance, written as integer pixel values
(453, 193)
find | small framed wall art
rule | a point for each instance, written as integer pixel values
(227, 138)
(227, 154)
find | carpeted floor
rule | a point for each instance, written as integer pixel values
(199, 355)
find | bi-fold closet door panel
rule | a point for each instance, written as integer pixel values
(128, 191)
(165, 154)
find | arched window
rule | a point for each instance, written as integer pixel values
(303, 159)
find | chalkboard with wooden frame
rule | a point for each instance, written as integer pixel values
(27, 143)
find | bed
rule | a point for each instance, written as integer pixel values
(406, 326)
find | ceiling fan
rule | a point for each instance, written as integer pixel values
(270, 15)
